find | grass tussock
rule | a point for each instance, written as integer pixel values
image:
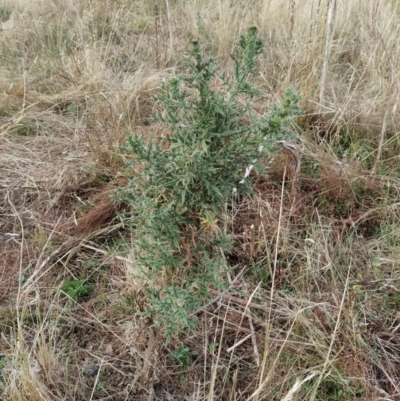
(308, 306)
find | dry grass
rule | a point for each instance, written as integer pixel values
(312, 312)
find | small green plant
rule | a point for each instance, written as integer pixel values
(182, 356)
(90, 263)
(3, 364)
(24, 128)
(101, 385)
(77, 289)
(213, 346)
(4, 15)
(181, 182)
(127, 304)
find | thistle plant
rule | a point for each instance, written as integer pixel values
(181, 182)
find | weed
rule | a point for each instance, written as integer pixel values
(77, 289)
(182, 356)
(90, 264)
(24, 128)
(181, 183)
(3, 364)
(127, 304)
(4, 15)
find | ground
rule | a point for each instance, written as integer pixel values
(310, 307)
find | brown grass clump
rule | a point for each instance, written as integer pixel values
(103, 210)
(311, 310)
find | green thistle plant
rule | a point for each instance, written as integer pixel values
(182, 181)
